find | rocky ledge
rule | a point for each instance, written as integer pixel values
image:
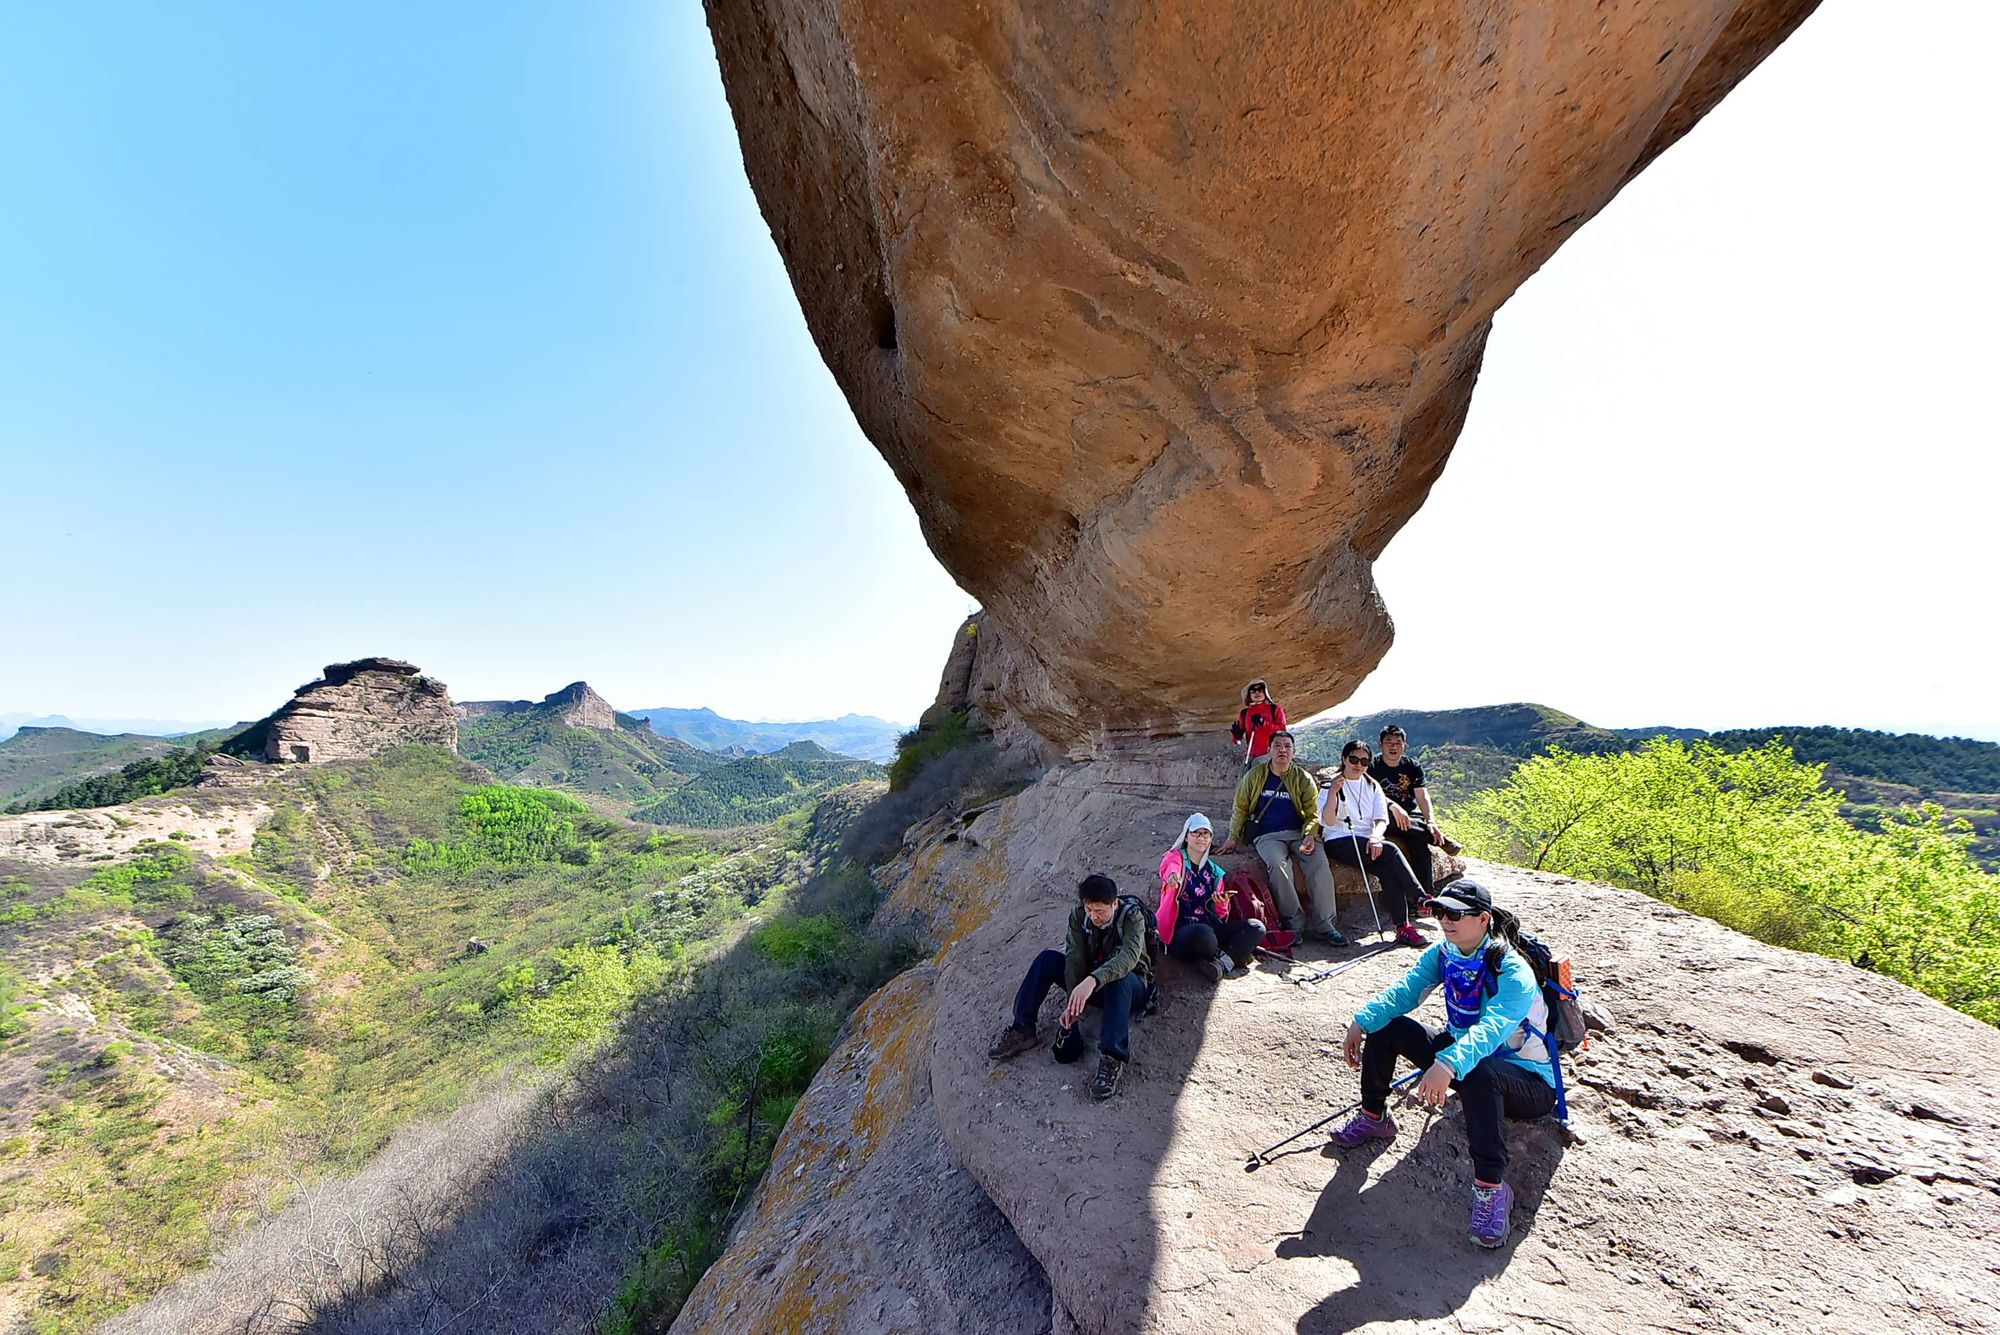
(1768, 1141)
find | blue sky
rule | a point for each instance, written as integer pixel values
(446, 332)
(453, 333)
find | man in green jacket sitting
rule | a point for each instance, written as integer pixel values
(1104, 963)
(1277, 806)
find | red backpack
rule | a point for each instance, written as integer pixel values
(1250, 897)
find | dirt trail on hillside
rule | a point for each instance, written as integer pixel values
(1769, 1141)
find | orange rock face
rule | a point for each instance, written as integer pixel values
(1167, 316)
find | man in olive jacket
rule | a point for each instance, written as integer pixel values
(1104, 963)
(1277, 807)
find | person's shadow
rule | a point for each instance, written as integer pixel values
(1406, 1232)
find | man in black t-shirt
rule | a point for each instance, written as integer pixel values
(1412, 827)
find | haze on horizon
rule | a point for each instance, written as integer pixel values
(455, 335)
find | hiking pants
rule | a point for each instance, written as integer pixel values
(1416, 845)
(1196, 941)
(1391, 869)
(1121, 999)
(1276, 849)
(1493, 1089)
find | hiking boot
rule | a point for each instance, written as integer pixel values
(1362, 1128)
(1408, 935)
(1492, 1214)
(1109, 1070)
(1013, 1041)
(1331, 936)
(1210, 969)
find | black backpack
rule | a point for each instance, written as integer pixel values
(1156, 948)
(1553, 976)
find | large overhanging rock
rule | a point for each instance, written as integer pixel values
(1167, 316)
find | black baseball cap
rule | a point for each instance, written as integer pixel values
(1465, 896)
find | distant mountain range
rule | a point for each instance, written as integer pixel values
(858, 735)
(145, 727)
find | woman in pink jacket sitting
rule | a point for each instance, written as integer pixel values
(1194, 909)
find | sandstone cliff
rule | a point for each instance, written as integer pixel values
(1167, 316)
(362, 709)
(1769, 1141)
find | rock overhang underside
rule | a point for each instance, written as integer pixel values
(1168, 316)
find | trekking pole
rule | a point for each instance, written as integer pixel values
(1261, 1157)
(1324, 974)
(1367, 886)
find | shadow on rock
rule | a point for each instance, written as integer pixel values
(1404, 1229)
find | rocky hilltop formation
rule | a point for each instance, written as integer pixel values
(1767, 1141)
(576, 705)
(361, 709)
(1167, 316)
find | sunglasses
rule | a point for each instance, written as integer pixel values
(1356, 759)
(1450, 915)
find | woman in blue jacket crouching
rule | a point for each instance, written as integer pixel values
(1492, 1049)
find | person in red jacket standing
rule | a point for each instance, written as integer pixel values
(1261, 718)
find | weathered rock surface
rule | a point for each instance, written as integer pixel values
(1770, 1141)
(1167, 316)
(362, 709)
(209, 825)
(576, 704)
(866, 1223)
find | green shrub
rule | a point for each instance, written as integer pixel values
(507, 826)
(11, 1021)
(156, 874)
(813, 942)
(595, 988)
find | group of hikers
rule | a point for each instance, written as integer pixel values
(1374, 814)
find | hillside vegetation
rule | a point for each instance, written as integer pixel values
(599, 1204)
(149, 777)
(754, 789)
(1753, 839)
(628, 766)
(37, 762)
(187, 1041)
(1467, 751)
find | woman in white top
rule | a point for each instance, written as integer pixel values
(1354, 820)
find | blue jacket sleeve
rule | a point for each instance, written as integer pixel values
(1405, 994)
(1498, 1018)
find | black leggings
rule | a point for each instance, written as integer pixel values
(1494, 1089)
(1416, 845)
(1196, 941)
(1392, 869)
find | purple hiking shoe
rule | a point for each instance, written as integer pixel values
(1492, 1214)
(1361, 1128)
